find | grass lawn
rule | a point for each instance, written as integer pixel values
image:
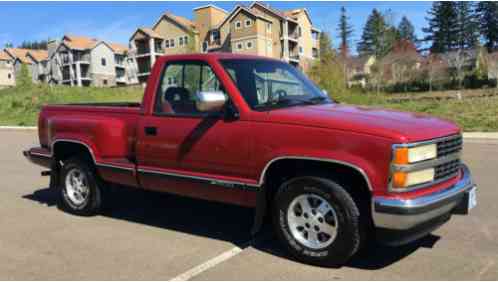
(20, 106)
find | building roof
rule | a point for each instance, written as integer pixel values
(4, 56)
(238, 9)
(118, 48)
(79, 42)
(38, 55)
(293, 14)
(269, 9)
(181, 21)
(211, 6)
(147, 31)
(20, 54)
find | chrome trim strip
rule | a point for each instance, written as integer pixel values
(361, 171)
(214, 181)
(395, 213)
(426, 164)
(428, 142)
(115, 166)
(40, 154)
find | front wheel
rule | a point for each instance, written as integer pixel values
(317, 221)
(80, 188)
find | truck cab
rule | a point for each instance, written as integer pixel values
(256, 132)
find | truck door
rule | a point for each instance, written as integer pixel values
(185, 151)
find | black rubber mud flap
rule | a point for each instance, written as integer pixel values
(259, 213)
(54, 174)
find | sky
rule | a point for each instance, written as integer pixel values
(116, 21)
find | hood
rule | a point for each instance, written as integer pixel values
(397, 125)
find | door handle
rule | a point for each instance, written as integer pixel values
(150, 130)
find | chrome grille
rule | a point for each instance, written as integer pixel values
(447, 170)
(449, 146)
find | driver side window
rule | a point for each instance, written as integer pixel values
(180, 83)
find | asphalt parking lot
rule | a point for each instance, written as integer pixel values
(150, 236)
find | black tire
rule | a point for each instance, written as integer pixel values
(348, 236)
(93, 202)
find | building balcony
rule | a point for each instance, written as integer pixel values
(294, 58)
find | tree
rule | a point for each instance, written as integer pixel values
(406, 30)
(327, 72)
(456, 61)
(467, 29)
(9, 45)
(37, 45)
(377, 37)
(487, 12)
(345, 32)
(23, 79)
(442, 21)
(325, 44)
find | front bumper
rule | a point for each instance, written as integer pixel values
(400, 221)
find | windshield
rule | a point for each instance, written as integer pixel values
(267, 84)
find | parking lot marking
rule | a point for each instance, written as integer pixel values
(210, 263)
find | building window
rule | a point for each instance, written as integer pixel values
(172, 43)
(249, 45)
(299, 31)
(301, 51)
(239, 46)
(270, 47)
(9, 76)
(215, 35)
(180, 41)
(268, 27)
(166, 43)
(185, 40)
(104, 81)
(103, 62)
(248, 23)
(204, 46)
(238, 25)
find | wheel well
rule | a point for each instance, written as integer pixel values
(348, 177)
(64, 150)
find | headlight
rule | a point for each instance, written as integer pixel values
(406, 179)
(404, 155)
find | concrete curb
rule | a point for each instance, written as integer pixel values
(466, 135)
(18, 128)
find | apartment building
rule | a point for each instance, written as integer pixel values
(7, 77)
(19, 57)
(257, 29)
(39, 65)
(85, 61)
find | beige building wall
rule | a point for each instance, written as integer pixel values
(102, 75)
(275, 33)
(306, 40)
(206, 18)
(7, 74)
(171, 31)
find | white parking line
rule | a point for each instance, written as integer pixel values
(210, 263)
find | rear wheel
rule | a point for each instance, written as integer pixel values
(317, 221)
(80, 188)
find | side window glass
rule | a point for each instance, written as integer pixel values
(180, 84)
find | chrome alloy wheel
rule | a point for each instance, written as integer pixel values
(76, 190)
(312, 221)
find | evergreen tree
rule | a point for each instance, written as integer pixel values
(326, 51)
(406, 30)
(377, 37)
(488, 18)
(37, 45)
(345, 32)
(467, 33)
(442, 26)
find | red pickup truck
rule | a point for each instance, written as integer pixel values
(256, 132)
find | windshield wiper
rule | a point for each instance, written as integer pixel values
(318, 99)
(285, 102)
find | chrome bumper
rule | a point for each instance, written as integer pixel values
(399, 214)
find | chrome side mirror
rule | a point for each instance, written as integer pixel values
(325, 92)
(210, 101)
